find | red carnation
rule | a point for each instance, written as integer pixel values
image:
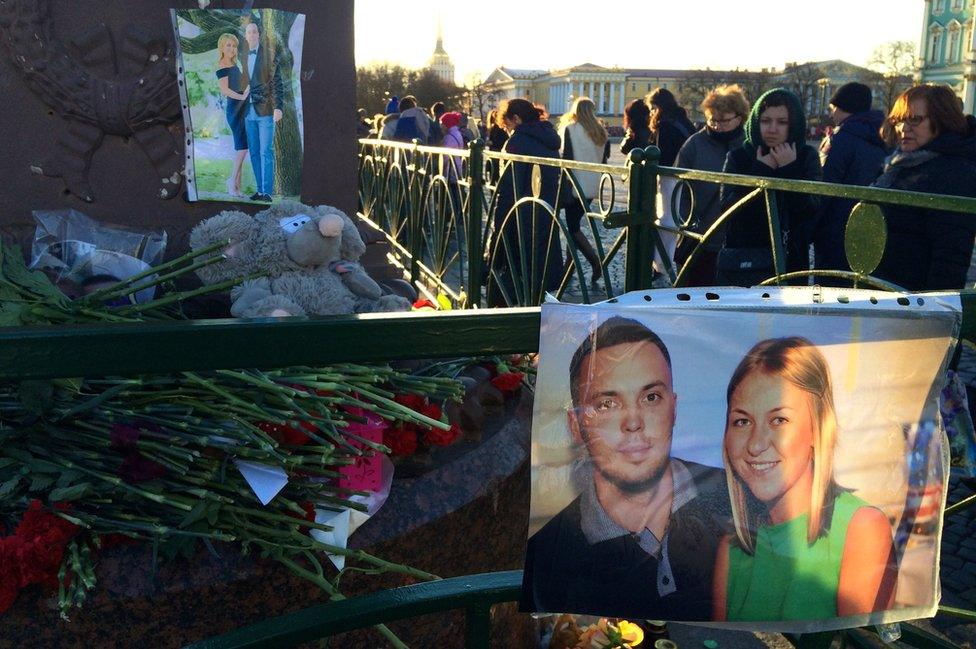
(508, 382)
(438, 437)
(402, 440)
(412, 401)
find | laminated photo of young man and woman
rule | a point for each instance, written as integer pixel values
(786, 486)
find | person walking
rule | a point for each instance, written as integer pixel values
(725, 109)
(774, 147)
(584, 140)
(851, 154)
(935, 152)
(525, 255)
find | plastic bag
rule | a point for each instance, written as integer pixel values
(80, 254)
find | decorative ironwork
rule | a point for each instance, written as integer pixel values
(460, 243)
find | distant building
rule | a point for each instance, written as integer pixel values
(947, 51)
(440, 62)
(611, 89)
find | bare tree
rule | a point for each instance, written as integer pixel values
(479, 97)
(803, 79)
(695, 86)
(894, 62)
(376, 83)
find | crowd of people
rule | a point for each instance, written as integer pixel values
(925, 144)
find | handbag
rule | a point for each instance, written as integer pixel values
(744, 266)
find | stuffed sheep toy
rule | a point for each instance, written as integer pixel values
(310, 255)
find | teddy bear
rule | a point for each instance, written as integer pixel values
(309, 255)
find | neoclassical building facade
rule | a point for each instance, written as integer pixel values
(440, 62)
(947, 49)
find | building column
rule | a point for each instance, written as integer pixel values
(613, 97)
(623, 97)
(603, 98)
(580, 92)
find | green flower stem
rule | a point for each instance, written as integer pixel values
(179, 297)
(158, 280)
(173, 263)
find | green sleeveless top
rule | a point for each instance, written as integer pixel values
(787, 579)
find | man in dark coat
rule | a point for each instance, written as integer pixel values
(852, 154)
(640, 540)
(267, 97)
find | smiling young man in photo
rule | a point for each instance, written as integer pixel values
(640, 539)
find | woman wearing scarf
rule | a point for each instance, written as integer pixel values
(725, 110)
(928, 249)
(774, 147)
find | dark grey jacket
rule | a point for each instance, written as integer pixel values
(705, 152)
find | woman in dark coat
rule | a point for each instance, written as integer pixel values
(637, 122)
(775, 147)
(670, 126)
(515, 277)
(929, 249)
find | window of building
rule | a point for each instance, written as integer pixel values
(648, 87)
(935, 45)
(952, 48)
(938, 7)
(633, 87)
(957, 5)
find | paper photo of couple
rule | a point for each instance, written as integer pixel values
(240, 84)
(759, 460)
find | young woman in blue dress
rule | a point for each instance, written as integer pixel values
(229, 78)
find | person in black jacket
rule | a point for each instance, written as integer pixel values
(670, 126)
(852, 154)
(525, 254)
(641, 538)
(929, 249)
(637, 122)
(775, 147)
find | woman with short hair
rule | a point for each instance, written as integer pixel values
(935, 152)
(725, 109)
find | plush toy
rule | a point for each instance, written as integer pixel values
(310, 255)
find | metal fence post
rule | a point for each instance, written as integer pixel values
(476, 185)
(414, 225)
(640, 207)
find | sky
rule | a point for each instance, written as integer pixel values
(719, 34)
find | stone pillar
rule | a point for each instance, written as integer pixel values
(613, 97)
(580, 93)
(623, 97)
(603, 98)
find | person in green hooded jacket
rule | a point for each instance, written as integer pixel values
(775, 147)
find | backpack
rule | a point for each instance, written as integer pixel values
(407, 131)
(436, 137)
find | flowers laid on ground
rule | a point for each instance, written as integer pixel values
(85, 462)
(603, 634)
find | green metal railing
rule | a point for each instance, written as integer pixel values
(444, 227)
(121, 349)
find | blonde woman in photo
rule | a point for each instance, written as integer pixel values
(803, 548)
(230, 80)
(583, 139)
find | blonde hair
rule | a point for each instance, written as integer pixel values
(583, 113)
(224, 38)
(726, 99)
(798, 361)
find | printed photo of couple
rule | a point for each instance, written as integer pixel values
(241, 85)
(759, 468)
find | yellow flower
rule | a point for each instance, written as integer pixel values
(632, 634)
